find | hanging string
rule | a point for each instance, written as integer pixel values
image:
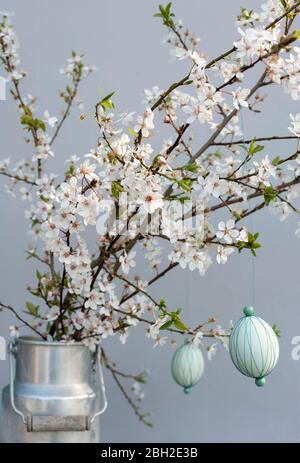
(253, 265)
(253, 279)
(187, 295)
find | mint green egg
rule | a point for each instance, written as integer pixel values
(253, 347)
(187, 366)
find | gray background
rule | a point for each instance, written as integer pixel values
(123, 39)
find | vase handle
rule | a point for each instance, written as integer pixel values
(101, 380)
(11, 352)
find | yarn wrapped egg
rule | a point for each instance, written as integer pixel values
(187, 366)
(253, 347)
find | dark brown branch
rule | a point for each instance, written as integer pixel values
(220, 57)
(17, 178)
(8, 307)
(208, 334)
(258, 139)
(180, 83)
(180, 132)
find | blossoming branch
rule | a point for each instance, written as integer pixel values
(89, 291)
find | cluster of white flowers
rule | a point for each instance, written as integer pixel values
(74, 63)
(43, 149)
(187, 254)
(145, 123)
(229, 233)
(255, 42)
(9, 48)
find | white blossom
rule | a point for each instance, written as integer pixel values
(295, 128)
(14, 331)
(211, 351)
(50, 120)
(223, 253)
(227, 231)
(127, 261)
(145, 123)
(240, 97)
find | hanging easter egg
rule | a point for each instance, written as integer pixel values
(187, 366)
(253, 346)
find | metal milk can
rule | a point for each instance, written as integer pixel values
(53, 396)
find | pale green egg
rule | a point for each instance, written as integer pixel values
(187, 366)
(254, 347)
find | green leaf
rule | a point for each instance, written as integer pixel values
(30, 123)
(178, 197)
(132, 132)
(236, 215)
(182, 199)
(296, 33)
(166, 15)
(40, 124)
(141, 378)
(30, 254)
(276, 331)
(284, 3)
(116, 189)
(35, 293)
(38, 275)
(162, 304)
(166, 325)
(180, 325)
(191, 167)
(44, 199)
(184, 184)
(32, 309)
(276, 161)
(26, 120)
(253, 148)
(251, 244)
(69, 90)
(270, 194)
(245, 13)
(106, 102)
(34, 222)
(72, 169)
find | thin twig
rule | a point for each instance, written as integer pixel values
(17, 178)
(8, 307)
(256, 139)
(153, 280)
(258, 193)
(141, 416)
(140, 290)
(66, 112)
